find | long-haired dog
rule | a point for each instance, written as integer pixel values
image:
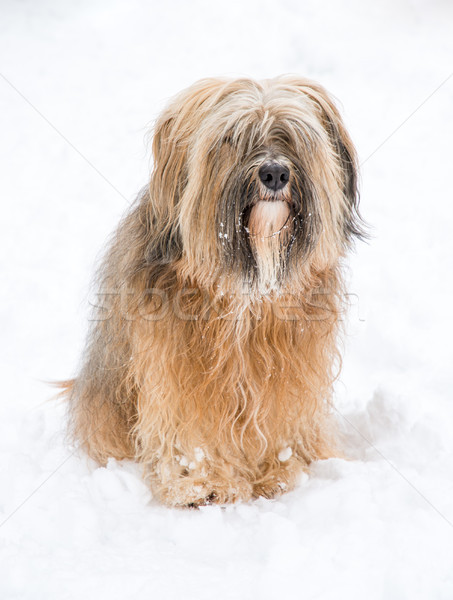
(212, 355)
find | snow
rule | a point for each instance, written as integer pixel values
(377, 524)
(285, 454)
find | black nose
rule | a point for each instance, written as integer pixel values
(274, 176)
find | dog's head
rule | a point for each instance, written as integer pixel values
(254, 182)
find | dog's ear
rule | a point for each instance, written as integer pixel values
(174, 134)
(341, 142)
(162, 197)
(164, 245)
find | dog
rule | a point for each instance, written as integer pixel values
(214, 346)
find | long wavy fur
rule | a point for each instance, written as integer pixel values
(212, 352)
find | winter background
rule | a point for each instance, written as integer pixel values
(80, 84)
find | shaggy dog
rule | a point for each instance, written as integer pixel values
(212, 355)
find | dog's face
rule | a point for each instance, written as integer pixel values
(253, 183)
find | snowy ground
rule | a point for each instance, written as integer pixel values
(379, 526)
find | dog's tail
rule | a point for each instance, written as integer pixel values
(65, 388)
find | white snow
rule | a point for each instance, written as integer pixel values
(199, 454)
(285, 454)
(377, 524)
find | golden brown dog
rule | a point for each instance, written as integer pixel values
(212, 356)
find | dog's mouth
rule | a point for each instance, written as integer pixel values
(268, 216)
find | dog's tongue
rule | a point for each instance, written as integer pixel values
(268, 218)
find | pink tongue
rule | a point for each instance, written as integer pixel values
(268, 218)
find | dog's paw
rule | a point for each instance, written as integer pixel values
(281, 480)
(269, 489)
(192, 493)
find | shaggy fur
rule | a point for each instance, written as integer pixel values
(213, 352)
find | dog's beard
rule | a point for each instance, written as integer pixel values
(266, 236)
(269, 230)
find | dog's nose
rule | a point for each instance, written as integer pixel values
(274, 176)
